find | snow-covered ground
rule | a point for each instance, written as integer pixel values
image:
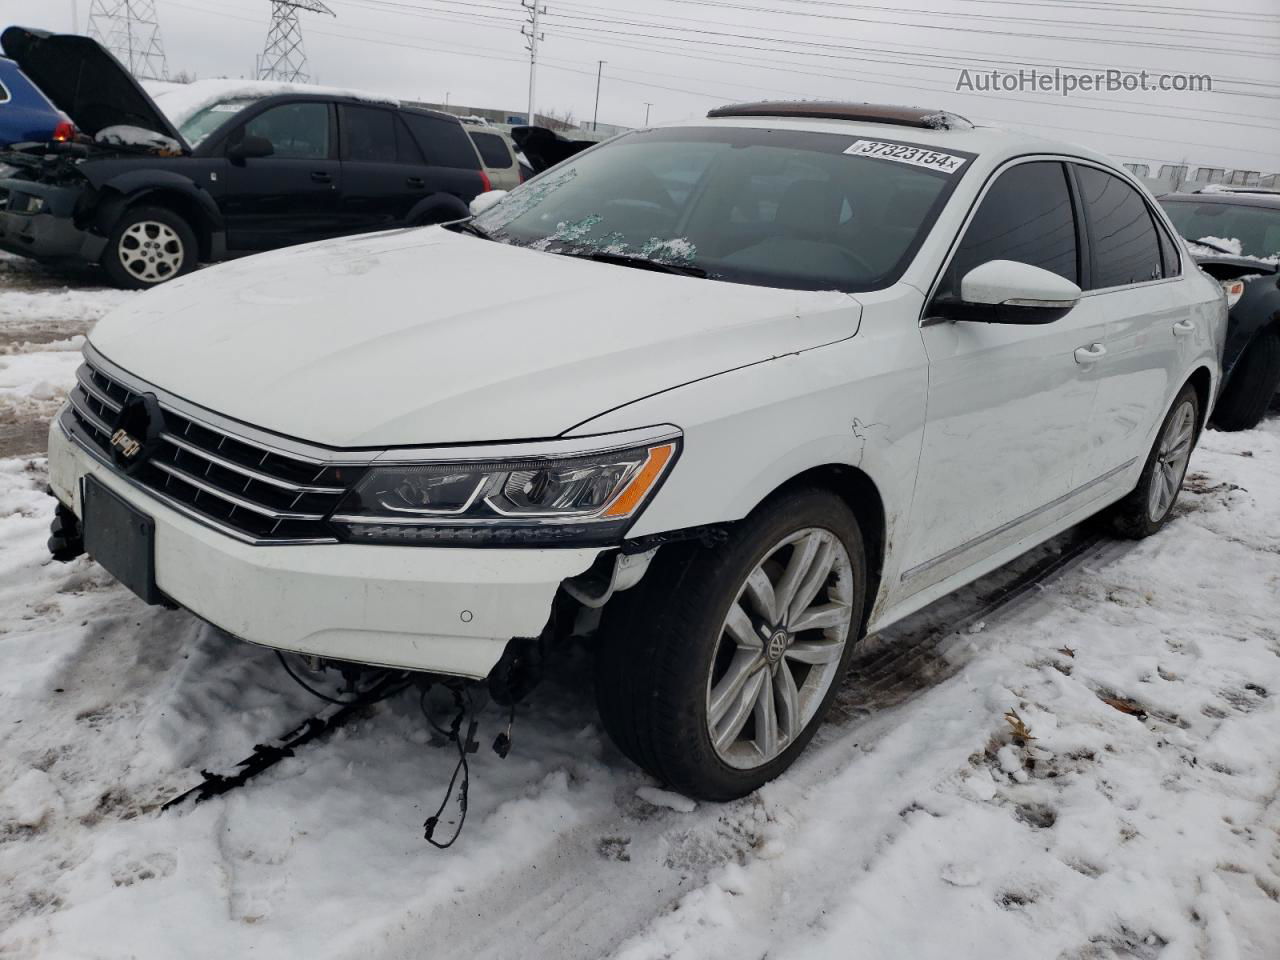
(1135, 815)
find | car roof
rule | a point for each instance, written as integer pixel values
(993, 144)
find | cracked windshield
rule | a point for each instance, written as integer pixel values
(733, 205)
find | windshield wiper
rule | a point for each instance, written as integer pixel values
(640, 263)
(471, 227)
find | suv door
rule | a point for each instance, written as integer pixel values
(1009, 406)
(291, 196)
(1134, 282)
(383, 172)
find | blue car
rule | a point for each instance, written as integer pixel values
(26, 115)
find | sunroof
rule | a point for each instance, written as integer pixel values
(837, 110)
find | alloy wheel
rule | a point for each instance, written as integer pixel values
(780, 648)
(1171, 461)
(151, 251)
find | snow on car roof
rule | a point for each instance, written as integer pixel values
(181, 101)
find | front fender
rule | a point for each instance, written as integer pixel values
(120, 191)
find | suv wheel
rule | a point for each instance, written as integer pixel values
(149, 246)
(716, 671)
(1253, 385)
(1147, 508)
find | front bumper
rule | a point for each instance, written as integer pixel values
(443, 610)
(49, 235)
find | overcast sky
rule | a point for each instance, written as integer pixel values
(685, 56)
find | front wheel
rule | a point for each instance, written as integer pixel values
(149, 246)
(1148, 507)
(717, 670)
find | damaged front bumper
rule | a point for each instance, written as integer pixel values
(442, 610)
(37, 220)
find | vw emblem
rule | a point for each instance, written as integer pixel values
(776, 646)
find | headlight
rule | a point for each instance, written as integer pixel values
(27, 204)
(563, 501)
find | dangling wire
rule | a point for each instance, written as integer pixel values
(462, 701)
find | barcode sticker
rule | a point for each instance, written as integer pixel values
(901, 153)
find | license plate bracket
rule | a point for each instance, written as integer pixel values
(120, 538)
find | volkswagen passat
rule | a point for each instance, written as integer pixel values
(737, 391)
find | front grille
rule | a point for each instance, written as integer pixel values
(237, 485)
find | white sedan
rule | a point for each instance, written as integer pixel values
(748, 388)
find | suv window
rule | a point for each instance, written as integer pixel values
(4, 93)
(1122, 236)
(1256, 227)
(297, 131)
(1026, 216)
(443, 142)
(493, 150)
(368, 134)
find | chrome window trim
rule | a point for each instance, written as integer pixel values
(1155, 209)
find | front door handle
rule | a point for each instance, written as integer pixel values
(1090, 354)
(320, 176)
(1183, 328)
(416, 182)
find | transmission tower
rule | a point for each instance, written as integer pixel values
(129, 29)
(284, 58)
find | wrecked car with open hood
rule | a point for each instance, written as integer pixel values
(149, 200)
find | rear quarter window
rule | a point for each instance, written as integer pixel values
(493, 150)
(444, 143)
(4, 93)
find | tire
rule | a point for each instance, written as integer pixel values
(1149, 506)
(1252, 387)
(666, 648)
(133, 266)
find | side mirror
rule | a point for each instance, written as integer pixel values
(486, 201)
(251, 148)
(1006, 291)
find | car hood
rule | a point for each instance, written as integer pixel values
(84, 81)
(425, 336)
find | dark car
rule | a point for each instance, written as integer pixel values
(26, 115)
(149, 201)
(1251, 358)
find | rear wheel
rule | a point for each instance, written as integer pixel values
(1148, 507)
(717, 670)
(149, 246)
(1253, 384)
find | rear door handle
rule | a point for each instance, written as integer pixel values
(416, 182)
(1183, 328)
(319, 176)
(1090, 354)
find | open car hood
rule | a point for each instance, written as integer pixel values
(85, 81)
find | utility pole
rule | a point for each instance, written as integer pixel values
(532, 36)
(595, 117)
(75, 16)
(647, 107)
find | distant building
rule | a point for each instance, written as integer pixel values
(506, 119)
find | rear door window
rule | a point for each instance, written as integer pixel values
(297, 131)
(1124, 245)
(1026, 216)
(444, 143)
(493, 150)
(368, 134)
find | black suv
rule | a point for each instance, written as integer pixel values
(148, 200)
(1251, 355)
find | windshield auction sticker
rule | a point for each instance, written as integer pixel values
(947, 163)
